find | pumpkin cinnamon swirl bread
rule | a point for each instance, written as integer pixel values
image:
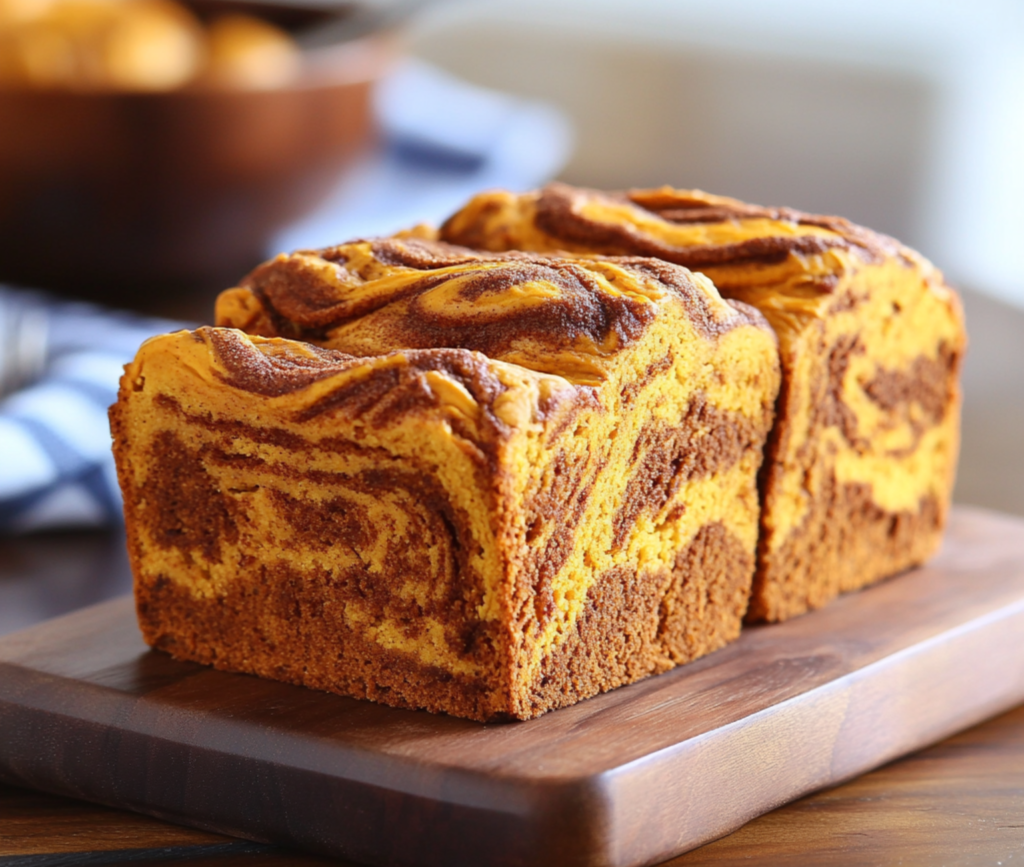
(859, 469)
(484, 485)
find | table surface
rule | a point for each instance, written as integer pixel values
(959, 802)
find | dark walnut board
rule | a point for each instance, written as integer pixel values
(631, 777)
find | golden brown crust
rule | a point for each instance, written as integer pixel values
(680, 207)
(271, 374)
(559, 212)
(393, 391)
(420, 294)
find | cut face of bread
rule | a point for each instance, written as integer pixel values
(520, 482)
(860, 465)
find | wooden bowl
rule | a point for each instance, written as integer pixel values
(116, 195)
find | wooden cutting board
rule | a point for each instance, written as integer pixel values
(631, 777)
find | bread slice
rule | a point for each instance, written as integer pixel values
(522, 482)
(860, 465)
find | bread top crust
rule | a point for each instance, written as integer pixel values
(690, 228)
(796, 268)
(567, 316)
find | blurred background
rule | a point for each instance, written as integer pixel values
(152, 152)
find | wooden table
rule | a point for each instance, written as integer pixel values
(961, 801)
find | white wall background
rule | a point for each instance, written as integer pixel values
(905, 116)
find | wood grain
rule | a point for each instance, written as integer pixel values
(958, 802)
(35, 825)
(630, 777)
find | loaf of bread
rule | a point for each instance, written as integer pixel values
(507, 483)
(860, 465)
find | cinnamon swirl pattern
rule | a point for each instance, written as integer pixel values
(860, 464)
(484, 485)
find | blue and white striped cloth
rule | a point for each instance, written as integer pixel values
(59, 369)
(60, 362)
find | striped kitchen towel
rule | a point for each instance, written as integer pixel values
(60, 363)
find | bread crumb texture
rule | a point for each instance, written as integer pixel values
(860, 463)
(484, 484)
